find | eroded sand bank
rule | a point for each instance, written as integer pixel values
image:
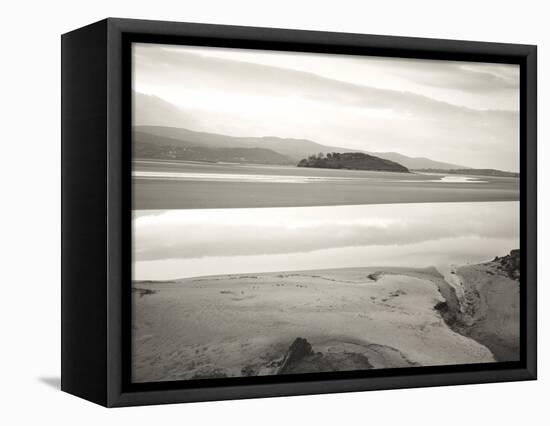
(357, 318)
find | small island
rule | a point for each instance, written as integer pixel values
(352, 161)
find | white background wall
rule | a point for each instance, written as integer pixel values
(30, 241)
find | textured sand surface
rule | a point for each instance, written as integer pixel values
(491, 309)
(238, 325)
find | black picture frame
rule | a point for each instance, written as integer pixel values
(96, 211)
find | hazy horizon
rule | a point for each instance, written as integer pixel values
(457, 112)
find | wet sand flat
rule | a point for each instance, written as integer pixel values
(165, 185)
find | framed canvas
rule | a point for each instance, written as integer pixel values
(254, 212)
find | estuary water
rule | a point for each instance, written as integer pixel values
(180, 243)
(193, 185)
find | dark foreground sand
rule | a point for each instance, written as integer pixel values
(327, 320)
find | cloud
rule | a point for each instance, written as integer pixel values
(471, 78)
(208, 73)
(458, 76)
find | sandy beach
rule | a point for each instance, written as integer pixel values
(353, 318)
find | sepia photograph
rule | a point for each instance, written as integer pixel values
(297, 213)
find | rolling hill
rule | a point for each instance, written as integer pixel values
(290, 151)
(295, 149)
(159, 147)
(154, 117)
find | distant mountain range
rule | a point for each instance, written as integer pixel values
(415, 163)
(144, 149)
(293, 149)
(149, 109)
(165, 142)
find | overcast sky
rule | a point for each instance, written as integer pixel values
(459, 112)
